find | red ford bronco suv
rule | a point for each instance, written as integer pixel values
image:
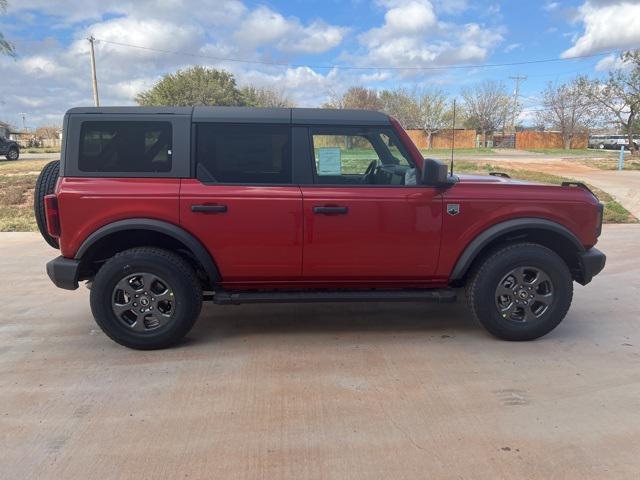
(162, 208)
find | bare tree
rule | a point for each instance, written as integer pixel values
(265, 97)
(620, 94)
(48, 131)
(433, 112)
(567, 109)
(359, 98)
(402, 106)
(486, 106)
(6, 47)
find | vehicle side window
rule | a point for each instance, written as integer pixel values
(125, 147)
(370, 156)
(243, 154)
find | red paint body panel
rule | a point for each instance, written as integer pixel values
(86, 204)
(486, 201)
(270, 237)
(387, 234)
(259, 238)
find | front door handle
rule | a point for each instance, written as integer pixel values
(330, 210)
(208, 208)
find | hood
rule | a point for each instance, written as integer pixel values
(494, 179)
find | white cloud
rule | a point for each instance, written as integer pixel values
(511, 47)
(612, 62)
(551, 6)
(608, 24)
(411, 35)
(264, 27)
(451, 6)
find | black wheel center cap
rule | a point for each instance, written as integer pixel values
(523, 294)
(144, 301)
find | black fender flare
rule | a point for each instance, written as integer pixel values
(192, 243)
(476, 246)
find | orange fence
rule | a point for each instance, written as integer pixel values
(531, 140)
(442, 139)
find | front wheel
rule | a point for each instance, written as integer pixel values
(146, 298)
(520, 292)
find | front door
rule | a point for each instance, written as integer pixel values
(366, 219)
(242, 204)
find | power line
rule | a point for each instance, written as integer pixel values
(366, 67)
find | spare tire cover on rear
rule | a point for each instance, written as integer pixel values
(45, 185)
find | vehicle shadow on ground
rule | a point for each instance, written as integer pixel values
(220, 322)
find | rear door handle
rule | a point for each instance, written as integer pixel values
(330, 210)
(208, 208)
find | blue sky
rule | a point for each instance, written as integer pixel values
(51, 72)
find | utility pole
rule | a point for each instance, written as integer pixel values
(516, 94)
(96, 100)
(24, 121)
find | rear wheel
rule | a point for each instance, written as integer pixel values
(13, 154)
(45, 185)
(520, 292)
(146, 298)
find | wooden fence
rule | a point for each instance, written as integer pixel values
(442, 139)
(532, 140)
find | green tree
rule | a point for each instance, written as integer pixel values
(619, 95)
(265, 97)
(402, 106)
(194, 86)
(6, 47)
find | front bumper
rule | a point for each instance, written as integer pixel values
(64, 272)
(591, 262)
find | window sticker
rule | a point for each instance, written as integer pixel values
(329, 161)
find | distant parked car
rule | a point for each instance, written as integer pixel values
(9, 148)
(612, 142)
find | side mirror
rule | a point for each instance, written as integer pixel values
(435, 173)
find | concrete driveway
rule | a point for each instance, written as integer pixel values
(356, 391)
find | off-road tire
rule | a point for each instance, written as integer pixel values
(186, 292)
(487, 274)
(13, 154)
(45, 185)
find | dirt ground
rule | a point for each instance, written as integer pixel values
(348, 391)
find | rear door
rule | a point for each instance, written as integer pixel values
(242, 203)
(366, 219)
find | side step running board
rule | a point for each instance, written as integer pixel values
(222, 297)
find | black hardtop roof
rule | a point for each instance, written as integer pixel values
(306, 116)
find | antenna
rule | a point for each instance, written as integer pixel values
(453, 136)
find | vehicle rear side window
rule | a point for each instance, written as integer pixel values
(140, 147)
(243, 154)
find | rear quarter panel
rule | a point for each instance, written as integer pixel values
(86, 204)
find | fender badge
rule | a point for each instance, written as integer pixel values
(453, 209)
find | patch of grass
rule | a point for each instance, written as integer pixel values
(630, 163)
(40, 150)
(584, 152)
(16, 203)
(17, 183)
(438, 152)
(614, 212)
